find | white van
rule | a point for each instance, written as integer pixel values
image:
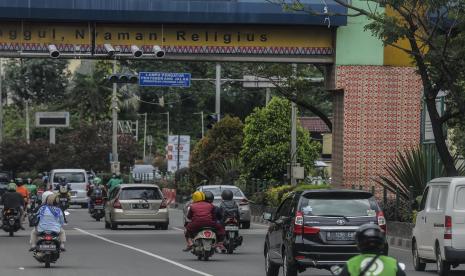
(439, 232)
(77, 178)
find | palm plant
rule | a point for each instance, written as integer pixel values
(228, 170)
(410, 169)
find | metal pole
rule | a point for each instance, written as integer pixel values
(114, 100)
(293, 136)
(177, 159)
(268, 95)
(1, 100)
(52, 136)
(28, 135)
(145, 134)
(218, 91)
(168, 124)
(203, 127)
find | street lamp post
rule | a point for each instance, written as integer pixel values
(114, 106)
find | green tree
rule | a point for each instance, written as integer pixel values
(435, 34)
(222, 142)
(41, 81)
(267, 140)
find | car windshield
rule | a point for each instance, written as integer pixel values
(344, 207)
(3, 177)
(218, 190)
(71, 177)
(140, 193)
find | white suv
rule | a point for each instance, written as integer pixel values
(439, 232)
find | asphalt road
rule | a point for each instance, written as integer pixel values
(93, 250)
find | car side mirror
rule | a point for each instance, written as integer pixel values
(267, 216)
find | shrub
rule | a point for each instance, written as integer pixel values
(275, 195)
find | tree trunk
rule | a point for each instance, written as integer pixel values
(440, 139)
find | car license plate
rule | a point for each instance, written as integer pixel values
(340, 236)
(140, 206)
(47, 247)
(98, 207)
(63, 199)
(231, 228)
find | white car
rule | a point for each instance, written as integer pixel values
(77, 178)
(439, 232)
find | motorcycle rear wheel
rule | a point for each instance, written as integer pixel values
(12, 233)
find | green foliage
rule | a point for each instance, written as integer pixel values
(209, 157)
(409, 168)
(275, 195)
(71, 151)
(41, 81)
(265, 152)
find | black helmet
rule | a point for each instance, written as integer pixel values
(370, 239)
(19, 181)
(209, 197)
(227, 195)
(62, 180)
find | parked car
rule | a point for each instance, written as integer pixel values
(439, 232)
(316, 228)
(239, 197)
(77, 178)
(136, 204)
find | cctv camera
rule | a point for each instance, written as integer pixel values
(53, 51)
(136, 52)
(110, 50)
(158, 51)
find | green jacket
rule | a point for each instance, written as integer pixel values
(32, 189)
(383, 266)
(113, 183)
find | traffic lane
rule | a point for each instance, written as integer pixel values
(405, 256)
(85, 255)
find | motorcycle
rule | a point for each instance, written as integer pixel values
(98, 209)
(63, 198)
(47, 248)
(11, 221)
(232, 239)
(204, 244)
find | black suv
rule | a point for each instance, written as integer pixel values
(316, 228)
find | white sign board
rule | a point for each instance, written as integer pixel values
(52, 119)
(178, 146)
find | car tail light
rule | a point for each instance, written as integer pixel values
(98, 201)
(299, 257)
(299, 227)
(381, 221)
(163, 204)
(448, 228)
(48, 237)
(244, 202)
(117, 204)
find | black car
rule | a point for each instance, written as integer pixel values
(316, 228)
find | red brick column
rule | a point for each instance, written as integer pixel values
(382, 109)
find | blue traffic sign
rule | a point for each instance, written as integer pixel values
(164, 79)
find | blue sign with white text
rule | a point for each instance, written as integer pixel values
(164, 79)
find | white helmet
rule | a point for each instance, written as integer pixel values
(45, 195)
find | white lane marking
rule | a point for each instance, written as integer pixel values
(146, 253)
(400, 249)
(179, 229)
(21, 268)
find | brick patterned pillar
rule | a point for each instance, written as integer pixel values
(381, 115)
(338, 139)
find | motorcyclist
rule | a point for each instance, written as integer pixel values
(201, 214)
(13, 200)
(50, 219)
(93, 188)
(210, 197)
(371, 241)
(39, 182)
(64, 191)
(114, 182)
(31, 187)
(21, 188)
(229, 207)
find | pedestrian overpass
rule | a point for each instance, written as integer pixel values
(377, 94)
